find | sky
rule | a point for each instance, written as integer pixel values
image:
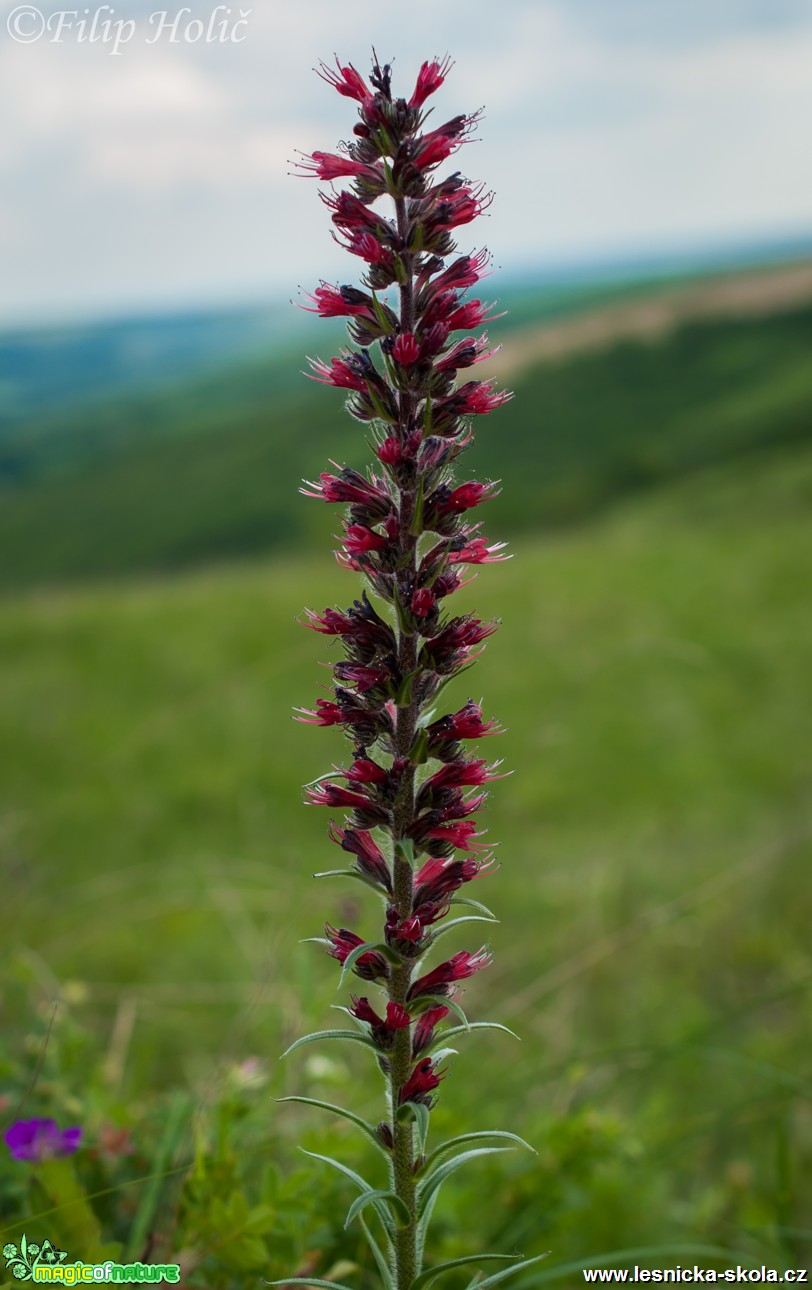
(155, 173)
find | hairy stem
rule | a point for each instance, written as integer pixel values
(401, 1057)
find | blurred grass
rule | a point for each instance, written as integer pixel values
(653, 953)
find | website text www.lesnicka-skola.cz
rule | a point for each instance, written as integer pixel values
(695, 1274)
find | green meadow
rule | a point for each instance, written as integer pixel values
(654, 838)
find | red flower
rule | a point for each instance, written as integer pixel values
(423, 601)
(424, 1030)
(351, 487)
(366, 771)
(405, 349)
(339, 302)
(465, 353)
(459, 967)
(363, 678)
(466, 723)
(465, 496)
(420, 1083)
(329, 166)
(477, 551)
(326, 713)
(327, 794)
(370, 966)
(473, 313)
(458, 834)
(457, 774)
(439, 878)
(339, 373)
(429, 78)
(383, 1029)
(361, 242)
(370, 858)
(346, 80)
(359, 539)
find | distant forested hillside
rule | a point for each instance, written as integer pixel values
(212, 472)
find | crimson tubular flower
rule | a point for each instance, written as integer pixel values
(410, 788)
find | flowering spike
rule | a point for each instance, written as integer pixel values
(415, 841)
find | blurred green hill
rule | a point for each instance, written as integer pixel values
(629, 390)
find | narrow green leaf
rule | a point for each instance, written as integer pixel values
(357, 1120)
(428, 1276)
(421, 1116)
(329, 1034)
(403, 698)
(451, 1004)
(457, 922)
(442, 1172)
(442, 1053)
(401, 1213)
(379, 947)
(416, 526)
(426, 718)
(361, 1184)
(404, 847)
(387, 1273)
(345, 873)
(510, 1272)
(472, 904)
(479, 1136)
(381, 314)
(404, 622)
(419, 751)
(427, 417)
(463, 1030)
(307, 1281)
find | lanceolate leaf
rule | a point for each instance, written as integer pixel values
(380, 947)
(362, 1124)
(420, 1114)
(473, 904)
(347, 873)
(507, 1272)
(307, 1281)
(442, 1172)
(428, 1276)
(401, 1213)
(330, 1034)
(465, 1030)
(457, 922)
(377, 1253)
(428, 999)
(361, 1183)
(480, 1136)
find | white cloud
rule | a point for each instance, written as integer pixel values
(661, 123)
